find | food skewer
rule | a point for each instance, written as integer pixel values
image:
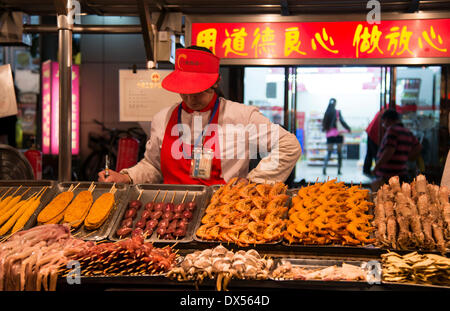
(140, 194)
(12, 207)
(78, 209)
(28, 210)
(6, 192)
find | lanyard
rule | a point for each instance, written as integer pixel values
(180, 128)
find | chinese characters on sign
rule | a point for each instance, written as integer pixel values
(388, 39)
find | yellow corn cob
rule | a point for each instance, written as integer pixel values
(13, 200)
(100, 211)
(12, 220)
(5, 201)
(11, 211)
(77, 211)
(55, 207)
(31, 207)
(2, 199)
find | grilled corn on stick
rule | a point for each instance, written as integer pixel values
(4, 194)
(7, 199)
(56, 206)
(11, 210)
(18, 212)
(100, 210)
(77, 211)
(11, 200)
(31, 207)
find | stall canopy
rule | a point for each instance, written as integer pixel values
(284, 7)
(65, 28)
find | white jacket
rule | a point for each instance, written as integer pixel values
(282, 148)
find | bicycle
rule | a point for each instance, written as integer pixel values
(106, 143)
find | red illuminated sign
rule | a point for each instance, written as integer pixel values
(389, 39)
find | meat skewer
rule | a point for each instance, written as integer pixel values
(149, 205)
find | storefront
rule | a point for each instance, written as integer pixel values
(292, 69)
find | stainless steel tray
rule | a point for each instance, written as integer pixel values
(309, 264)
(120, 200)
(33, 186)
(213, 190)
(345, 248)
(149, 191)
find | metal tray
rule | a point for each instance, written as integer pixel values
(417, 285)
(213, 242)
(308, 263)
(341, 248)
(33, 186)
(149, 191)
(120, 200)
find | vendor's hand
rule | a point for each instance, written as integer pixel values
(113, 177)
(242, 180)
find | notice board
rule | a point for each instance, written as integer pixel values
(141, 95)
(8, 103)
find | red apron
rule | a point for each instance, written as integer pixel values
(176, 170)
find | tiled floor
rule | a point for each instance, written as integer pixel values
(351, 173)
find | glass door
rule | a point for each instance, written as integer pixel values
(417, 99)
(358, 94)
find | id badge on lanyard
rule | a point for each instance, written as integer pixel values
(201, 161)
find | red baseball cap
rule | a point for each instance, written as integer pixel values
(195, 71)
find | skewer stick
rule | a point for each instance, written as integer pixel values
(75, 187)
(173, 198)
(6, 237)
(5, 193)
(193, 199)
(16, 190)
(25, 192)
(140, 193)
(113, 189)
(164, 196)
(157, 193)
(185, 194)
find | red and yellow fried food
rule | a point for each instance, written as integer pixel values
(330, 213)
(245, 213)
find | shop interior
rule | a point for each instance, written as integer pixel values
(359, 92)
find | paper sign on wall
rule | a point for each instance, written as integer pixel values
(141, 95)
(8, 103)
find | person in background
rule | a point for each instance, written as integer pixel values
(397, 147)
(334, 137)
(373, 131)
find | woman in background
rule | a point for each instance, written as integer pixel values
(334, 136)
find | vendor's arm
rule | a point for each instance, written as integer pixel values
(283, 148)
